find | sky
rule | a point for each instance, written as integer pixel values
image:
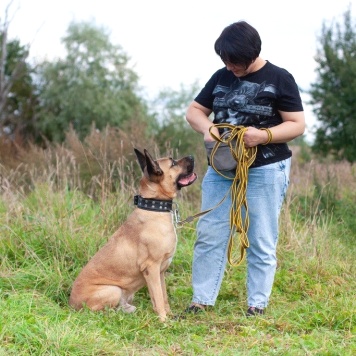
(171, 43)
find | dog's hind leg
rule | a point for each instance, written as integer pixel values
(104, 296)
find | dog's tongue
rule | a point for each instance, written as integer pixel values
(184, 181)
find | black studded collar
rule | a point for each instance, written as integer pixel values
(153, 204)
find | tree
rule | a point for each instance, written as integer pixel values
(92, 84)
(333, 93)
(17, 98)
(174, 131)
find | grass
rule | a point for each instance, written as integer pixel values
(50, 230)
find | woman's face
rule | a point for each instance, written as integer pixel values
(239, 70)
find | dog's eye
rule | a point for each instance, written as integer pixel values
(174, 163)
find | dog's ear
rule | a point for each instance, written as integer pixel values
(146, 160)
(153, 167)
(141, 159)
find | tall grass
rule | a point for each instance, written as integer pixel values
(59, 205)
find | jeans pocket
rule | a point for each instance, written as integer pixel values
(222, 158)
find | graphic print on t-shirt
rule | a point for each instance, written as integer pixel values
(237, 104)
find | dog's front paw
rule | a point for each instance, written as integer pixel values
(163, 318)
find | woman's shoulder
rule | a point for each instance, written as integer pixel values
(223, 75)
(276, 69)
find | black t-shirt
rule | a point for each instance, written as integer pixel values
(253, 100)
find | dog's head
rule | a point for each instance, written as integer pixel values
(162, 178)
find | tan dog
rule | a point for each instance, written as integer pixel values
(141, 250)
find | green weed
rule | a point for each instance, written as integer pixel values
(49, 230)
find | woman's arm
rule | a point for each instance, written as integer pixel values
(198, 118)
(293, 125)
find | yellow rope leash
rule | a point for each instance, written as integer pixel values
(244, 157)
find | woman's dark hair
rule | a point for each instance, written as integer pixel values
(239, 43)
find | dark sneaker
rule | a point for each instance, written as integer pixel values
(254, 311)
(193, 309)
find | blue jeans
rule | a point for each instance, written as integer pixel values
(266, 189)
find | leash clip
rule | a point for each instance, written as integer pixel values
(176, 216)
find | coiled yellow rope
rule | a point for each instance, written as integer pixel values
(244, 157)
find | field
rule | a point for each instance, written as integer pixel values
(58, 206)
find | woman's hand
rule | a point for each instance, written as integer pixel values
(293, 125)
(254, 137)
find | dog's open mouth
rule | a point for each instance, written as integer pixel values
(184, 181)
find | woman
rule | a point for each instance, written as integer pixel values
(251, 92)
